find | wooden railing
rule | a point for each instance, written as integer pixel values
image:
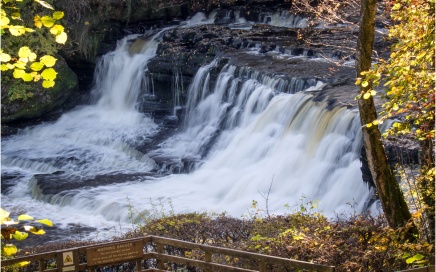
(152, 253)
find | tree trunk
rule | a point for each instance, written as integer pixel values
(394, 206)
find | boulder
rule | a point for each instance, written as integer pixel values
(43, 101)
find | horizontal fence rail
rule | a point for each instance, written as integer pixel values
(152, 253)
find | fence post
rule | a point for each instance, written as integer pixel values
(160, 250)
(208, 258)
(262, 265)
(138, 266)
(41, 265)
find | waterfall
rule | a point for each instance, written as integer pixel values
(283, 18)
(245, 132)
(91, 140)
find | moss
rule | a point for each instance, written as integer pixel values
(37, 101)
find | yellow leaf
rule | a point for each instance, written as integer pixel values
(375, 122)
(44, 4)
(32, 57)
(366, 95)
(47, 21)
(27, 77)
(4, 21)
(21, 264)
(5, 57)
(395, 107)
(421, 55)
(36, 76)
(24, 52)
(58, 15)
(358, 81)
(373, 92)
(9, 250)
(48, 60)
(24, 217)
(16, 15)
(37, 21)
(61, 38)
(19, 236)
(36, 66)
(25, 60)
(29, 29)
(18, 73)
(20, 65)
(45, 221)
(37, 231)
(4, 215)
(4, 67)
(368, 125)
(49, 74)
(17, 30)
(365, 84)
(48, 84)
(56, 30)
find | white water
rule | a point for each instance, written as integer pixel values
(248, 131)
(88, 141)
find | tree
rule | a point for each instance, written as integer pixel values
(391, 197)
(409, 77)
(25, 36)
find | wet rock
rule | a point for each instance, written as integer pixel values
(43, 101)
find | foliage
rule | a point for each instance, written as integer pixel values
(360, 243)
(29, 33)
(409, 78)
(10, 230)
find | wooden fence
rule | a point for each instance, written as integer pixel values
(156, 254)
(152, 253)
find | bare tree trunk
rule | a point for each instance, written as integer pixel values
(394, 206)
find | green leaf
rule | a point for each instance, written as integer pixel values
(9, 249)
(49, 74)
(25, 217)
(417, 257)
(45, 221)
(19, 236)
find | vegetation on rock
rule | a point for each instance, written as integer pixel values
(30, 33)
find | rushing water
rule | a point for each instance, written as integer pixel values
(247, 135)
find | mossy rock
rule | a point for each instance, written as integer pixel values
(43, 100)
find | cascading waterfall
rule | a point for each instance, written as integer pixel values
(97, 139)
(284, 18)
(247, 131)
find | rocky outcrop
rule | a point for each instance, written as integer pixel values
(43, 101)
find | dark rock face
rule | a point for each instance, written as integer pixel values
(44, 101)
